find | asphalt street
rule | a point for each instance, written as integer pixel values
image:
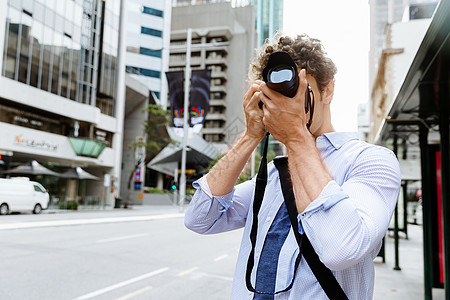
(125, 256)
(147, 253)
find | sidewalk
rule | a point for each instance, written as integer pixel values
(408, 282)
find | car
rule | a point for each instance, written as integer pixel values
(20, 194)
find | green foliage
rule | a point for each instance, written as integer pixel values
(71, 205)
(155, 131)
(154, 190)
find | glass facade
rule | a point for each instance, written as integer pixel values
(270, 17)
(65, 47)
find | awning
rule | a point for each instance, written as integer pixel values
(199, 153)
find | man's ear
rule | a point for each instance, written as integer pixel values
(328, 92)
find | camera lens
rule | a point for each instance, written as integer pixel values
(281, 74)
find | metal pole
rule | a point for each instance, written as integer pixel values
(427, 217)
(187, 84)
(405, 207)
(120, 98)
(396, 239)
(445, 176)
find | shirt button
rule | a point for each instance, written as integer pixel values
(221, 207)
(257, 255)
(303, 214)
(268, 219)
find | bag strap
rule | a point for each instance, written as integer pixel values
(324, 275)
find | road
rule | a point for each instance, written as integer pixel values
(147, 253)
(120, 254)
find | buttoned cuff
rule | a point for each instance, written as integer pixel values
(331, 194)
(225, 201)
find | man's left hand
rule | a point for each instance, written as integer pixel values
(285, 117)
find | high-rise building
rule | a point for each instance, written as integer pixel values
(58, 97)
(269, 18)
(148, 39)
(384, 12)
(223, 40)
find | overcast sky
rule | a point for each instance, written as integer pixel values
(343, 27)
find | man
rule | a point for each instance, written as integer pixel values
(345, 189)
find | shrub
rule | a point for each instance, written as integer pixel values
(71, 205)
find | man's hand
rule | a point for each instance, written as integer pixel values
(285, 117)
(255, 127)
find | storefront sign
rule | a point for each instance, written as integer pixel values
(32, 143)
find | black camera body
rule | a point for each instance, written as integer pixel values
(281, 75)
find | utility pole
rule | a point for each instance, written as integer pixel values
(187, 84)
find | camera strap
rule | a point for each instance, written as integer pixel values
(261, 182)
(323, 275)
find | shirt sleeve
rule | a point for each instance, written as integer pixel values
(213, 214)
(346, 223)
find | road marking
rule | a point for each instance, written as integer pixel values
(217, 276)
(138, 292)
(187, 271)
(24, 225)
(122, 238)
(221, 257)
(121, 284)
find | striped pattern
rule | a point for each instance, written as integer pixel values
(345, 224)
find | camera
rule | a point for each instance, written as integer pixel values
(281, 75)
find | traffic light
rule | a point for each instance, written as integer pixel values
(174, 186)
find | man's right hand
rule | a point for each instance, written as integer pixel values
(255, 127)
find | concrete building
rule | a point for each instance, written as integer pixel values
(58, 98)
(148, 39)
(384, 12)
(223, 40)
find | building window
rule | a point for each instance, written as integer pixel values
(145, 72)
(150, 31)
(150, 52)
(152, 11)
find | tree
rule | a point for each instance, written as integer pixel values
(157, 137)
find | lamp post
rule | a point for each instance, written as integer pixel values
(187, 79)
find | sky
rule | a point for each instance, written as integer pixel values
(343, 28)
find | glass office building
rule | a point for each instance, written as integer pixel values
(148, 40)
(67, 48)
(269, 18)
(58, 85)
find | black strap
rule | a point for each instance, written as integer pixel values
(261, 182)
(324, 275)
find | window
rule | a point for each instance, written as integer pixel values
(150, 31)
(152, 11)
(38, 189)
(145, 72)
(150, 52)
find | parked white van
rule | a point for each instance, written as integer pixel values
(21, 194)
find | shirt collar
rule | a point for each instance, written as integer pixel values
(336, 139)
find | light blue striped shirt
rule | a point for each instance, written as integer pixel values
(345, 224)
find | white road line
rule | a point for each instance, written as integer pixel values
(138, 292)
(121, 284)
(221, 257)
(122, 238)
(187, 271)
(217, 276)
(24, 225)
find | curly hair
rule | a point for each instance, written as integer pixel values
(308, 53)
